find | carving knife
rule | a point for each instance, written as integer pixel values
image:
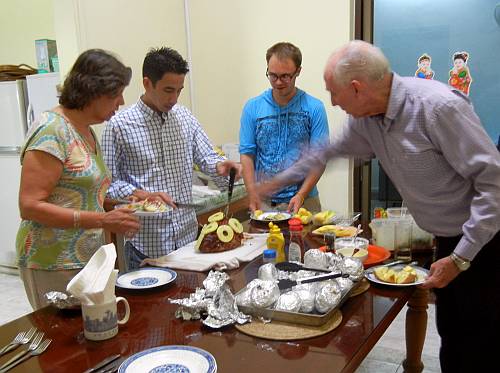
(232, 175)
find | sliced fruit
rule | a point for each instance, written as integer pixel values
(258, 213)
(225, 233)
(218, 216)
(200, 239)
(236, 225)
(210, 227)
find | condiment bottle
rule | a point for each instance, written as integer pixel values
(296, 245)
(276, 241)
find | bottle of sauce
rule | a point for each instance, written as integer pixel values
(276, 241)
(296, 245)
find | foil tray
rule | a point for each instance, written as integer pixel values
(311, 319)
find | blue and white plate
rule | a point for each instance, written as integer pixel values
(170, 359)
(146, 278)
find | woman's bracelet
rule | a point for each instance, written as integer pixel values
(76, 218)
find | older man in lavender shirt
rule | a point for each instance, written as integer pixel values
(432, 145)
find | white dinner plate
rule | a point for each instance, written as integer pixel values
(146, 278)
(270, 216)
(422, 274)
(175, 359)
(142, 213)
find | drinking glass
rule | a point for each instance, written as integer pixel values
(402, 240)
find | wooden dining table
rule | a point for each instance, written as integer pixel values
(152, 323)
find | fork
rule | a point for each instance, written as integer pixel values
(37, 351)
(20, 339)
(33, 345)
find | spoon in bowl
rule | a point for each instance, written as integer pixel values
(356, 249)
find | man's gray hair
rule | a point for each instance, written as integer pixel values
(361, 61)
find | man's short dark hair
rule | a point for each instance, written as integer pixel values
(285, 50)
(95, 73)
(160, 61)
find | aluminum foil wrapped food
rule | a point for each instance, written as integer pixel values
(345, 284)
(306, 298)
(244, 297)
(290, 302)
(328, 296)
(301, 274)
(216, 300)
(268, 272)
(315, 258)
(265, 294)
(336, 262)
(354, 267)
(62, 300)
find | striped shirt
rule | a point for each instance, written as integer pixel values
(432, 145)
(153, 152)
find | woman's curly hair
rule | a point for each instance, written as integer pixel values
(95, 73)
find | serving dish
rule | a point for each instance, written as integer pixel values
(174, 359)
(138, 208)
(376, 255)
(422, 274)
(146, 278)
(312, 319)
(272, 216)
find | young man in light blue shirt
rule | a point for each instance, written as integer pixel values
(276, 127)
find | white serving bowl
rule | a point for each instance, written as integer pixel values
(361, 254)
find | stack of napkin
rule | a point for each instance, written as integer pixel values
(95, 283)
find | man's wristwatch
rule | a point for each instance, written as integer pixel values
(461, 263)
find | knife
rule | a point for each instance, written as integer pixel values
(369, 270)
(232, 175)
(187, 205)
(103, 363)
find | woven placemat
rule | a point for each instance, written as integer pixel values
(281, 331)
(363, 286)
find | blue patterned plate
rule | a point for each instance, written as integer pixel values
(170, 359)
(146, 278)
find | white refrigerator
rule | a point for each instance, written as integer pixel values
(21, 103)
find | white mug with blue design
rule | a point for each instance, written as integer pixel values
(100, 321)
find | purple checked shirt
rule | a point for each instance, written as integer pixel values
(433, 147)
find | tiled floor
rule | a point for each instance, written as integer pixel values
(385, 357)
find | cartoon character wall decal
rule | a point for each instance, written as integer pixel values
(424, 70)
(460, 77)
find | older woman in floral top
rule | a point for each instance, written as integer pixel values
(64, 179)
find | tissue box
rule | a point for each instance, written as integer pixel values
(46, 54)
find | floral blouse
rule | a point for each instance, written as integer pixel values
(82, 186)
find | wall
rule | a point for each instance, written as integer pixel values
(229, 49)
(229, 40)
(21, 23)
(405, 30)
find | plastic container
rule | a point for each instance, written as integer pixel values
(347, 242)
(397, 212)
(383, 233)
(269, 256)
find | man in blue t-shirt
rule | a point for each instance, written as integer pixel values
(276, 127)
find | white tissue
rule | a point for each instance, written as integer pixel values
(95, 283)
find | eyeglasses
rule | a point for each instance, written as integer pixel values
(285, 78)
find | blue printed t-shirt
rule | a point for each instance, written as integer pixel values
(277, 135)
(82, 186)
